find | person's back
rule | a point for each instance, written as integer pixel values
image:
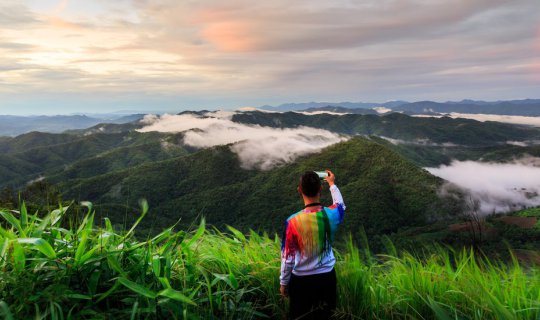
(307, 269)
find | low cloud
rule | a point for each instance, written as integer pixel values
(256, 146)
(419, 142)
(517, 143)
(382, 109)
(524, 120)
(496, 187)
(315, 113)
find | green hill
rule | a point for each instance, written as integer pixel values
(383, 191)
(433, 155)
(114, 166)
(427, 142)
(33, 155)
(399, 126)
(33, 139)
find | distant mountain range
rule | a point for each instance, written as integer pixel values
(515, 108)
(527, 107)
(350, 105)
(16, 125)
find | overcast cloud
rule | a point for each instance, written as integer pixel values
(75, 55)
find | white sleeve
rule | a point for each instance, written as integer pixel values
(336, 196)
(287, 265)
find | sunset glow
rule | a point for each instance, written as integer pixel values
(171, 55)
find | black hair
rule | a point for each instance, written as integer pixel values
(310, 183)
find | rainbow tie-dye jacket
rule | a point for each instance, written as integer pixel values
(306, 246)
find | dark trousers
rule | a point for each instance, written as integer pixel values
(313, 296)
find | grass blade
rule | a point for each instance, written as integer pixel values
(137, 288)
(175, 295)
(39, 244)
(13, 221)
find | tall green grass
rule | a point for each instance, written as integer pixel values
(52, 271)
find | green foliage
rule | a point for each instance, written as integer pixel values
(399, 126)
(64, 156)
(87, 272)
(383, 191)
(530, 212)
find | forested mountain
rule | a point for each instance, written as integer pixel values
(110, 147)
(530, 107)
(16, 125)
(384, 192)
(378, 169)
(33, 155)
(399, 126)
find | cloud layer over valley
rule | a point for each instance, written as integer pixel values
(522, 120)
(498, 187)
(256, 146)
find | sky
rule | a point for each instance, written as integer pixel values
(170, 55)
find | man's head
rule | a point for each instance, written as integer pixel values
(310, 184)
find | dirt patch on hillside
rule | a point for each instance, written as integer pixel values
(473, 227)
(528, 257)
(522, 222)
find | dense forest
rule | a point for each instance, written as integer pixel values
(378, 169)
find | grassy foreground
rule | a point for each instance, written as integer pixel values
(52, 271)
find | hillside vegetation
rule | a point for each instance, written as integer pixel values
(527, 107)
(426, 141)
(399, 126)
(386, 192)
(55, 267)
(36, 154)
(383, 191)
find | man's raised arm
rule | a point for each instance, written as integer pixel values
(336, 194)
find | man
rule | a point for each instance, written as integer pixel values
(307, 262)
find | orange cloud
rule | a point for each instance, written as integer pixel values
(60, 6)
(230, 35)
(60, 23)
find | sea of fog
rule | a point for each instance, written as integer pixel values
(522, 120)
(256, 146)
(497, 187)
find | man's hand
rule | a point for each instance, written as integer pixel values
(284, 290)
(331, 178)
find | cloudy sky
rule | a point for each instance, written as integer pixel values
(96, 56)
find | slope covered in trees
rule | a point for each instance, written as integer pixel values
(114, 166)
(399, 126)
(383, 191)
(36, 154)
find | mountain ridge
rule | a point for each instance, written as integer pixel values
(212, 182)
(525, 107)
